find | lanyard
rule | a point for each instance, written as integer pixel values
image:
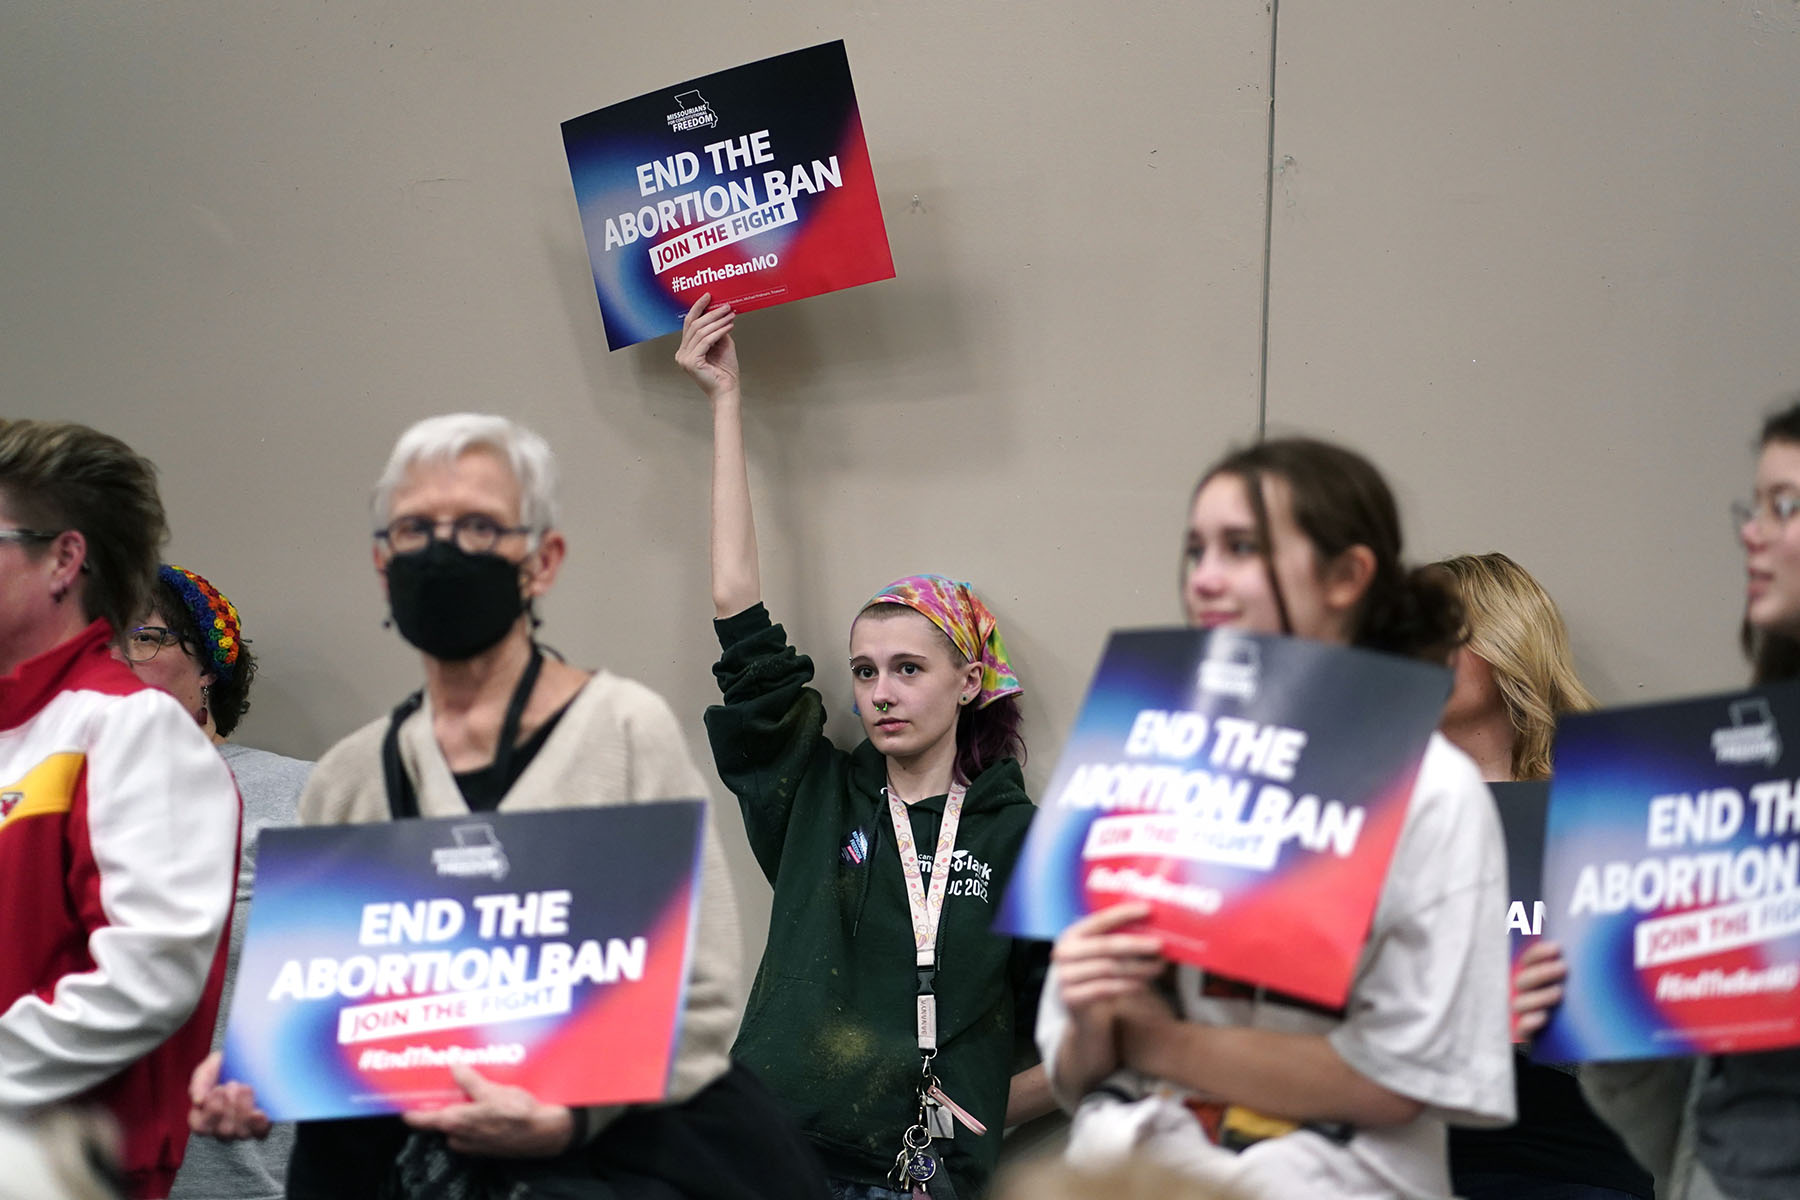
(515, 713)
(926, 904)
(402, 797)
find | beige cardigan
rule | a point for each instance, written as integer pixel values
(617, 743)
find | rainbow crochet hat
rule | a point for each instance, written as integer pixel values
(214, 616)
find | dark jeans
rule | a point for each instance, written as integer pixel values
(1497, 1185)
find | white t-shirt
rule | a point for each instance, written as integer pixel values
(1426, 1018)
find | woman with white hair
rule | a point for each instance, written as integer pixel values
(466, 540)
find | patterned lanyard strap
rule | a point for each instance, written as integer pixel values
(926, 903)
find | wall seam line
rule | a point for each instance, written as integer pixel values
(1262, 375)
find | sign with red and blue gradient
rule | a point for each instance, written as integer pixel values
(1524, 808)
(548, 950)
(1672, 878)
(753, 184)
(1249, 788)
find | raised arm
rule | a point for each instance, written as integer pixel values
(708, 354)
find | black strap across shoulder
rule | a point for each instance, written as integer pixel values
(402, 797)
(515, 713)
(403, 801)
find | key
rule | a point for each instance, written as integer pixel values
(900, 1177)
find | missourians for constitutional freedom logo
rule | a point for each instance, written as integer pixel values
(692, 112)
(477, 852)
(1231, 667)
(1751, 736)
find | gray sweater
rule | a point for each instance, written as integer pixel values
(1745, 1110)
(1746, 1119)
(252, 1170)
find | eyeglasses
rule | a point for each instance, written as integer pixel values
(142, 643)
(473, 533)
(1768, 512)
(26, 535)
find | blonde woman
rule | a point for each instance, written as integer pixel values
(1514, 677)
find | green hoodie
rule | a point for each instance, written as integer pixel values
(830, 1022)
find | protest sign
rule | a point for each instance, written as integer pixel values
(545, 949)
(1672, 879)
(1248, 788)
(753, 184)
(1523, 809)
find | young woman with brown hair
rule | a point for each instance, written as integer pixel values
(1302, 537)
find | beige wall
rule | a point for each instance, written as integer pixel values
(1537, 258)
(1540, 260)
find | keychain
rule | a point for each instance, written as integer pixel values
(940, 1099)
(915, 1164)
(922, 1164)
(939, 1121)
(940, 1114)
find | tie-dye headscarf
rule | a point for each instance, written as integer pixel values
(955, 608)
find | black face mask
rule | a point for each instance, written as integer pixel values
(452, 604)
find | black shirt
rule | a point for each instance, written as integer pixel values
(1557, 1137)
(483, 789)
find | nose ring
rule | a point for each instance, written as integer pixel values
(881, 708)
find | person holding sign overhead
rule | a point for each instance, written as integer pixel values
(886, 1016)
(1514, 677)
(1239, 1086)
(1746, 1106)
(466, 541)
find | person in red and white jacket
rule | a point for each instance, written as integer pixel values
(118, 820)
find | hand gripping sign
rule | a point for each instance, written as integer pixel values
(1250, 789)
(1672, 878)
(752, 184)
(545, 949)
